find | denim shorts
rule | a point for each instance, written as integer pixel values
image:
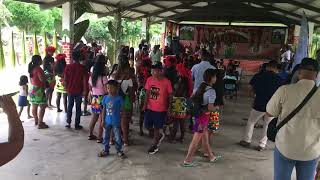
(153, 119)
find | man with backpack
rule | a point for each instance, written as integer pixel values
(297, 141)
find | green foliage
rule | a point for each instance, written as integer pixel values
(5, 14)
(12, 51)
(315, 44)
(23, 46)
(31, 18)
(98, 30)
(2, 60)
(35, 45)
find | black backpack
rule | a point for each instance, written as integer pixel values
(197, 107)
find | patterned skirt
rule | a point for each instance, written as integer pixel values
(96, 104)
(214, 121)
(37, 95)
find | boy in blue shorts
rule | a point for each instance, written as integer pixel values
(112, 106)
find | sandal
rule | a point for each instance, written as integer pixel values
(43, 126)
(103, 153)
(92, 137)
(186, 164)
(217, 158)
(99, 141)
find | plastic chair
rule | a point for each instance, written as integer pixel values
(231, 88)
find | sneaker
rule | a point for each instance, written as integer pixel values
(259, 148)
(86, 113)
(121, 155)
(79, 127)
(43, 125)
(59, 110)
(162, 136)
(68, 126)
(244, 144)
(153, 149)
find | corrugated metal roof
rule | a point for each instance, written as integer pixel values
(282, 11)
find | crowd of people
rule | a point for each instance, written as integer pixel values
(174, 92)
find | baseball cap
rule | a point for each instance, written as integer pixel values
(158, 65)
(309, 64)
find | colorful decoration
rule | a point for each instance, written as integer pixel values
(60, 57)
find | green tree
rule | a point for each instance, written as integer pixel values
(5, 16)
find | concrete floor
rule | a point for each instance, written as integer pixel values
(61, 154)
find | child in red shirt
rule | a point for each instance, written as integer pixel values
(76, 85)
(158, 91)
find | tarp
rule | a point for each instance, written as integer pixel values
(303, 45)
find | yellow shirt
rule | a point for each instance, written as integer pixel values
(299, 139)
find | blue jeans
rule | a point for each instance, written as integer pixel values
(117, 137)
(74, 98)
(283, 167)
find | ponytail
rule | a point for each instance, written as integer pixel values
(35, 61)
(198, 96)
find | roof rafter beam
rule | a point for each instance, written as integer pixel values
(242, 12)
(31, 1)
(157, 5)
(304, 5)
(295, 9)
(156, 13)
(273, 8)
(53, 4)
(126, 8)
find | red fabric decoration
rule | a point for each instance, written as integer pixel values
(170, 61)
(60, 57)
(185, 72)
(84, 50)
(50, 49)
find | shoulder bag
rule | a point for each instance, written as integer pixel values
(273, 128)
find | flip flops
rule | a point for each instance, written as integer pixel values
(188, 165)
(217, 158)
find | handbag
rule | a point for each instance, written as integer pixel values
(273, 128)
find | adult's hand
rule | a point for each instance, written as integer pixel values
(10, 149)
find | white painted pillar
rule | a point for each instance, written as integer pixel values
(145, 28)
(68, 26)
(68, 20)
(296, 34)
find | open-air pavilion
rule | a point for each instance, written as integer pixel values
(208, 18)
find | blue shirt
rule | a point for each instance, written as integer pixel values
(198, 71)
(264, 85)
(113, 108)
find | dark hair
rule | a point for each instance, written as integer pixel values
(60, 66)
(23, 80)
(182, 88)
(205, 55)
(272, 64)
(140, 46)
(99, 70)
(76, 55)
(35, 61)
(207, 76)
(114, 68)
(113, 83)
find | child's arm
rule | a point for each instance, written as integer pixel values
(145, 104)
(103, 117)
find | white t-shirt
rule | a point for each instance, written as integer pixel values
(125, 84)
(286, 56)
(22, 92)
(209, 96)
